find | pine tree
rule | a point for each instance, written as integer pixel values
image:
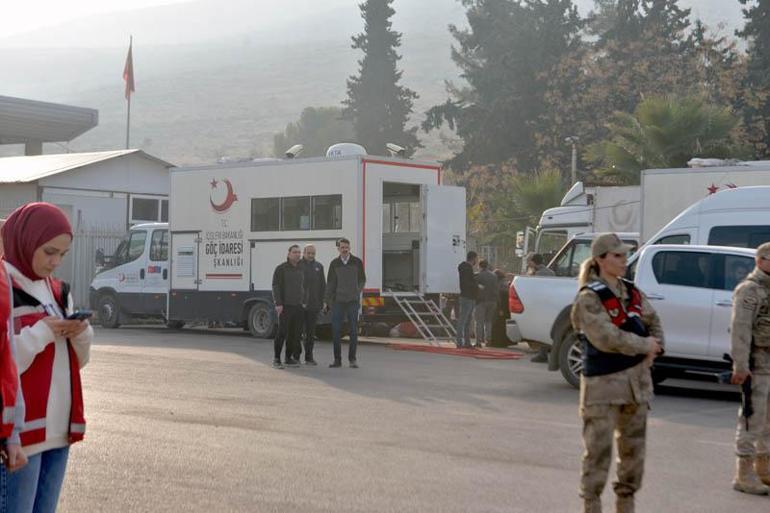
(376, 104)
(505, 57)
(756, 102)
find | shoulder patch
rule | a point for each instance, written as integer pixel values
(749, 302)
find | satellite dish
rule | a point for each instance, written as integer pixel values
(345, 150)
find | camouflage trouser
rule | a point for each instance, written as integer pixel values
(628, 422)
(756, 439)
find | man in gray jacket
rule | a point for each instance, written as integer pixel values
(290, 298)
(486, 303)
(344, 287)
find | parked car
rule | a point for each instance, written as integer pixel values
(689, 286)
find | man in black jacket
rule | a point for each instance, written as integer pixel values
(344, 287)
(315, 283)
(469, 291)
(290, 298)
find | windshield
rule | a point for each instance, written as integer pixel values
(549, 243)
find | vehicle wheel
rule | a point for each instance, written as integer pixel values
(571, 358)
(175, 325)
(109, 311)
(261, 321)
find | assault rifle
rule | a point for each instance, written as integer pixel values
(747, 409)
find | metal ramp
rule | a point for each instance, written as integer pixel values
(430, 321)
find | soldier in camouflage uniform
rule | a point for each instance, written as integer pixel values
(621, 335)
(750, 341)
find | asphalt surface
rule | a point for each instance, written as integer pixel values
(199, 421)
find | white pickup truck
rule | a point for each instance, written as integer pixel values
(689, 286)
(737, 218)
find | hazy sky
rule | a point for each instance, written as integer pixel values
(23, 15)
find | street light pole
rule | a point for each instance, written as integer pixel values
(573, 140)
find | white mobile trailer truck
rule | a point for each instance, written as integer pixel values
(231, 225)
(667, 192)
(588, 210)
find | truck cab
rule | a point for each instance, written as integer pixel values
(567, 261)
(134, 281)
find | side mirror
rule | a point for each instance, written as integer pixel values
(99, 258)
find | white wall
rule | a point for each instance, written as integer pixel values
(132, 173)
(91, 210)
(15, 195)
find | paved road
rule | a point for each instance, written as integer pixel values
(199, 421)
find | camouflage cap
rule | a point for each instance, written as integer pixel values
(764, 250)
(608, 243)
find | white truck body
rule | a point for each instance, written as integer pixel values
(667, 192)
(588, 210)
(230, 225)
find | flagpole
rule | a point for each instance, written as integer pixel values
(128, 116)
(128, 122)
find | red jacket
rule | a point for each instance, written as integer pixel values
(36, 380)
(9, 377)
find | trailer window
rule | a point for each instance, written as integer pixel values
(295, 213)
(327, 212)
(405, 217)
(265, 214)
(386, 218)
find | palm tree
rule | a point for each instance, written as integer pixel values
(662, 132)
(519, 202)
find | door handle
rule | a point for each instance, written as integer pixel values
(656, 297)
(141, 274)
(724, 303)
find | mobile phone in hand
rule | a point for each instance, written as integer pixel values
(80, 315)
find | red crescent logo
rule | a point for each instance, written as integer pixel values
(229, 199)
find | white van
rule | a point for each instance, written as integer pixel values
(737, 217)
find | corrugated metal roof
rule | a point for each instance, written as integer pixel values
(30, 169)
(23, 120)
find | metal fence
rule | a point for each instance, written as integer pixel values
(83, 254)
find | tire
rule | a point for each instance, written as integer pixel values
(571, 358)
(175, 325)
(109, 311)
(261, 321)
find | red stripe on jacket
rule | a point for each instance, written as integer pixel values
(36, 380)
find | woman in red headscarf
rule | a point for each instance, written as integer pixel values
(50, 351)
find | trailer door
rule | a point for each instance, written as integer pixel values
(442, 238)
(184, 261)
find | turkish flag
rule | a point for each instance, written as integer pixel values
(128, 72)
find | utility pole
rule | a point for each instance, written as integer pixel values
(573, 140)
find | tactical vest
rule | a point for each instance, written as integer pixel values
(36, 380)
(599, 363)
